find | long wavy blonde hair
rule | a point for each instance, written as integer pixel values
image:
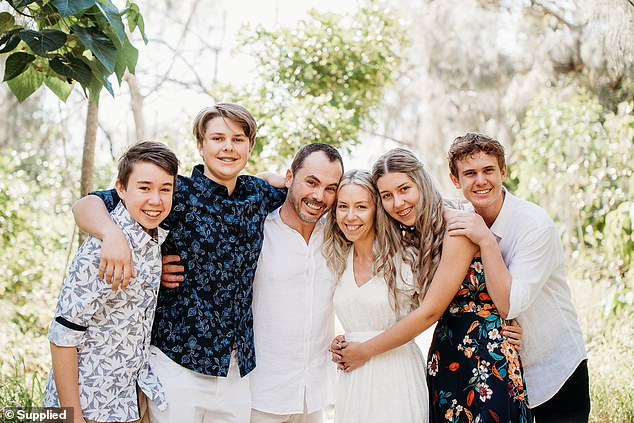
(426, 236)
(336, 246)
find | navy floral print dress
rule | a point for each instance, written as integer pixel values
(474, 374)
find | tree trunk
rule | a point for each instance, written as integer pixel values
(136, 103)
(88, 157)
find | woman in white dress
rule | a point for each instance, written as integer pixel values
(390, 387)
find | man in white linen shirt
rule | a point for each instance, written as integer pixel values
(293, 314)
(524, 265)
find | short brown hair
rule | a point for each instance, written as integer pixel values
(231, 111)
(147, 151)
(472, 143)
(308, 149)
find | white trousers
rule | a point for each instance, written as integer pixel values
(258, 416)
(196, 398)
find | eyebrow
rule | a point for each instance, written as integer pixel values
(150, 182)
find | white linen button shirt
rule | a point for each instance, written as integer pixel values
(293, 322)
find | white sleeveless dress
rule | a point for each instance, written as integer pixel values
(390, 387)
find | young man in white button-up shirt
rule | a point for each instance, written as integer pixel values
(293, 313)
(524, 261)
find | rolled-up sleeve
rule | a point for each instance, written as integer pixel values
(83, 293)
(538, 254)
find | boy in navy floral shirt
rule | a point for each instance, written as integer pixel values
(99, 337)
(203, 330)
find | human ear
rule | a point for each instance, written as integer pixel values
(289, 178)
(120, 189)
(455, 180)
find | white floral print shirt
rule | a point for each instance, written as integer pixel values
(111, 330)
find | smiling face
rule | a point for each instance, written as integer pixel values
(148, 194)
(355, 212)
(313, 187)
(480, 178)
(225, 150)
(399, 196)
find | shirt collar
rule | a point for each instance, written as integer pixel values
(198, 175)
(501, 223)
(275, 215)
(134, 232)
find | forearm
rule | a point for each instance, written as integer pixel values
(498, 277)
(65, 370)
(92, 217)
(403, 331)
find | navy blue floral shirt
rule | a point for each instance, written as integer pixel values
(218, 237)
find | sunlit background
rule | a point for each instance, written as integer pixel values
(552, 80)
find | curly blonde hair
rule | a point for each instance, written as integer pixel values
(426, 236)
(336, 246)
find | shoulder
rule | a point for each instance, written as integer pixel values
(531, 215)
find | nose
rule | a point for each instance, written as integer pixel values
(479, 178)
(154, 198)
(398, 201)
(227, 145)
(318, 194)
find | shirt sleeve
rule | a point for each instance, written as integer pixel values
(109, 197)
(538, 254)
(272, 197)
(83, 294)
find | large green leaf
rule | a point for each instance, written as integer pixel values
(19, 4)
(26, 84)
(16, 64)
(61, 89)
(114, 19)
(72, 68)
(135, 19)
(100, 76)
(72, 7)
(43, 41)
(99, 44)
(127, 58)
(6, 21)
(9, 40)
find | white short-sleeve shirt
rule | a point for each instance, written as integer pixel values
(111, 330)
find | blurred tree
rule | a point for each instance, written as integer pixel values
(319, 81)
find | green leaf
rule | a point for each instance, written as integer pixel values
(114, 19)
(99, 44)
(73, 69)
(19, 4)
(10, 40)
(72, 7)
(6, 21)
(135, 20)
(127, 58)
(100, 75)
(26, 84)
(16, 64)
(60, 88)
(43, 41)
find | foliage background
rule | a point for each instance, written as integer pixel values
(551, 80)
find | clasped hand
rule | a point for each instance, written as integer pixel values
(347, 355)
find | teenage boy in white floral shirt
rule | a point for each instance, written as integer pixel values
(100, 337)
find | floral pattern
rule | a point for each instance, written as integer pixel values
(474, 373)
(111, 330)
(218, 237)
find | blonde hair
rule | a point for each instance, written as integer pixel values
(336, 246)
(427, 234)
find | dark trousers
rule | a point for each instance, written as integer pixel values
(571, 404)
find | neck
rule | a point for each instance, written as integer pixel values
(292, 220)
(489, 214)
(363, 249)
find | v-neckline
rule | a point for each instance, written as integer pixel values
(354, 278)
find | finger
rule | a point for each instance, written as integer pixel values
(172, 278)
(132, 272)
(118, 274)
(173, 268)
(172, 258)
(170, 285)
(115, 283)
(102, 269)
(108, 273)
(127, 275)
